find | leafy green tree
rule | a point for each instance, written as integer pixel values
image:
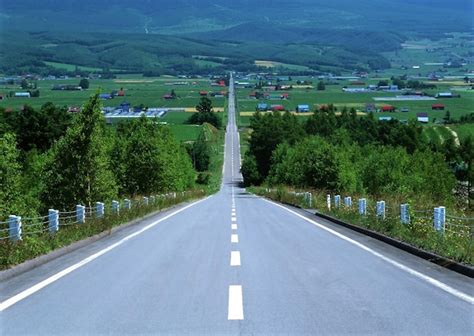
(79, 171)
(250, 171)
(201, 153)
(10, 178)
(84, 83)
(24, 84)
(205, 114)
(321, 86)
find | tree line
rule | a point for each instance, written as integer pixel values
(353, 154)
(52, 159)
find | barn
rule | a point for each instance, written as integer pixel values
(302, 108)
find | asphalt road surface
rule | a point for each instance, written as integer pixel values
(237, 264)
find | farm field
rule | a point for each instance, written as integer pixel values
(334, 95)
(138, 90)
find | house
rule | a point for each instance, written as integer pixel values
(438, 107)
(168, 96)
(221, 83)
(262, 107)
(74, 109)
(105, 96)
(422, 117)
(404, 109)
(370, 108)
(22, 94)
(385, 118)
(447, 95)
(203, 93)
(387, 108)
(302, 108)
(121, 93)
(277, 108)
(285, 95)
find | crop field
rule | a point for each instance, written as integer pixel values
(138, 91)
(333, 94)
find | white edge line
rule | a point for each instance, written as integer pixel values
(407, 269)
(33, 289)
(236, 308)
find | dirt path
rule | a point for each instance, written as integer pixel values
(455, 135)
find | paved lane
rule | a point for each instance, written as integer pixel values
(237, 264)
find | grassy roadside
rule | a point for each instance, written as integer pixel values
(456, 243)
(36, 244)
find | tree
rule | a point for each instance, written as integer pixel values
(10, 193)
(447, 117)
(205, 114)
(321, 86)
(84, 83)
(173, 94)
(201, 153)
(24, 84)
(78, 171)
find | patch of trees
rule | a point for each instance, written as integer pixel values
(81, 160)
(205, 114)
(349, 153)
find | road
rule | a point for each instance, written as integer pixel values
(237, 264)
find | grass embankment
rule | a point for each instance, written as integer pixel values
(216, 140)
(42, 242)
(456, 243)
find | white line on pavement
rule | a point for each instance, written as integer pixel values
(432, 281)
(234, 219)
(234, 258)
(236, 307)
(234, 226)
(234, 238)
(27, 292)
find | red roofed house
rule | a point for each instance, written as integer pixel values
(203, 93)
(278, 108)
(221, 83)
(387, 108)
(437, 107)
(285, 96)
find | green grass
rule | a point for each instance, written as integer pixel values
(185, 133)
(72, 67)
(463, 130)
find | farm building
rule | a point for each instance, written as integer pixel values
(277, 108)
(105, 96)
(370, 108)
(302, 108)
(121, 93)
(168, 96)
(285, 96)
(262, 107)
(385, 118)
(447, 95)
(203, 93)
(422, 117)
(404, 109)
(438, 107)
(387, 108)
(22, 94)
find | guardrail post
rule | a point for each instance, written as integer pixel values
(127, 204)
(310, 199)
(439, 218)
(14, 226)
(53, 220)
(337, 201)
(328, 201)
(99, 209)
(145, 200)
(115, 207)
(405, 213)
(362, 206)
(381, 209)
(348, 201)
(80, 214)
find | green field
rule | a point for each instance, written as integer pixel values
(139, 90)
(334, 95)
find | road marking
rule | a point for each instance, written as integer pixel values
(234, 226)
(33, 289)
(234, 238)
(236, 307)
(234, 219)
(432, 281)
(234, 258)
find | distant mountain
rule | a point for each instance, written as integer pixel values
(189, 16)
